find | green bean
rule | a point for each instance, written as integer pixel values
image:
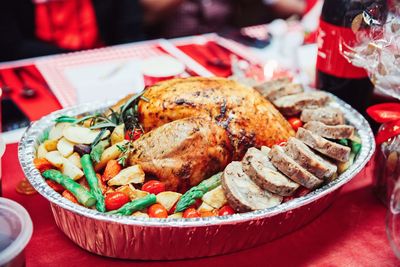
(82, 195)
(93, 182)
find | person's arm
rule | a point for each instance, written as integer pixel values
(17, 32)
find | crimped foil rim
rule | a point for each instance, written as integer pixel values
(30, 140)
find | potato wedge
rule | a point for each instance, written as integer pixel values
(128, 190)
(176, 215)
(118, 134)
(65, 147)
(55, 158)
(82, 135)
(64, 165)
(56, 132)
(70, 170)
(215, 198)
(75, 159)
(139, 194)
(204, 207)
(50, 145)
(131, 175)
(112, 152)
(41, 151)
(168, 199)
(140, 214)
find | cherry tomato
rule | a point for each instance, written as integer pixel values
(208, 213)
(68, 195)
(157, 211)
(191, 213)
(153, 187)
(116, 200)
(226, 210)
(296, 123)
(133, 136)
(172, 210)
(55, 186)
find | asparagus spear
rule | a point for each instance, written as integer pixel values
(135, 205)
(93, 182)
(82, 195)
(189, 198)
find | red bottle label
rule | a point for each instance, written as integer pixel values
(330, 59)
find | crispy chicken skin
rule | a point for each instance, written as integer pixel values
(239, 112)
(184, 152)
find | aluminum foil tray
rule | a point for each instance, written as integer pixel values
(129, 237)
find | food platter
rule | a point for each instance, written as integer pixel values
(166, 239)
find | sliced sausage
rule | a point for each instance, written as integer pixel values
(292, 169)
(293, 104)
(326, 115)
(258, 167)
(328, 148)
(312, 162)
(330, 131)
(242, 193)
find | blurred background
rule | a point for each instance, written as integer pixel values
(31, 28)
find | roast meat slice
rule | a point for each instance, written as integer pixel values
(257, 166)
(242, 193)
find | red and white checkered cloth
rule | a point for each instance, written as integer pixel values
(53, 68)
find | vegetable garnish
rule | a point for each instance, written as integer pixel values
(153, 187)
(191, 213)
(93, 182)
(157, 211)
(116, 200)
(196, 192)
(82, 195)
(97, 151)
(135, 205)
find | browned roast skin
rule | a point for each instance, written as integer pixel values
(184, 152)
(249, 118)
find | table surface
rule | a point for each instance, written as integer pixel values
(351, 232)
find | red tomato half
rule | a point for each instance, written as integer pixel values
(191, 213)
(68, 195)
(116, 200)
(137, 133)
(157, 211)
(226, 210)
(153, 187)
(56, 187)
(296, 123)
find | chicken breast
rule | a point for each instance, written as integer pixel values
(184, 152)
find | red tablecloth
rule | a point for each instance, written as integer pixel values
(350, 233)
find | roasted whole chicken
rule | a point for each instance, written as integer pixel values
(196, 126)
